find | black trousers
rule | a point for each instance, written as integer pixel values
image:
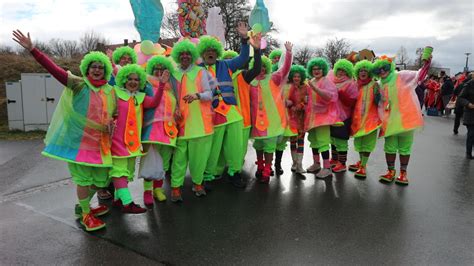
(469, 139)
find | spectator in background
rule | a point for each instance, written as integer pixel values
(447, 88)
(466, 100)
(461, 80)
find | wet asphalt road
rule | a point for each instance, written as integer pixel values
(293, 220)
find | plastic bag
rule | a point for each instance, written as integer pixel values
(151, 165)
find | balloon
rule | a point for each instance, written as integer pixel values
(257, 28)
(263, 44)
(147, 47)
(158, 50)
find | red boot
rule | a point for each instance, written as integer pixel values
(360, 172)
(339, 168)
(148, 198)
(354, 167)
(333, 162)
(92, 223)
(402, 179)
(389, 176)
(133, 208)
(267, 171)
(260, 166)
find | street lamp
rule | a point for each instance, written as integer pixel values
(466, 68)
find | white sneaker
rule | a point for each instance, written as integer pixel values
(299, 163)
(314, 168)
(324, 173)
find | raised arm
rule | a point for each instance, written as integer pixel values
(239, 61)
(256, 68)
(154, 101)
(281, 73)
(25, 41)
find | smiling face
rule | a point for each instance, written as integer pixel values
(363, 74)
(125, 60)
(296, 79)
(317, 72)
(133, 82)
(158, 70)
(276, 59)
(341, 73)
(185, 59)
(209, 56)
(96, 71)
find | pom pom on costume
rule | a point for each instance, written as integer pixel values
(192, 21)
(125, 71)
(319, 62)
(266, 63)
(148, 16)
(229, 54)
(96, 57)
(364, 64)
(346, 66)
(184, 46)
(259, 15)
(214, 24)
(158, 60)
(209, 42)
(297, 69)
(124, 50)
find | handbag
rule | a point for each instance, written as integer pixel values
(432, 111)
(451, 104)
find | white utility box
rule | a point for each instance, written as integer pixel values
(39, 94)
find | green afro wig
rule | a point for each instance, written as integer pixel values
(346, 65)
(209, 42)
(297, 69)
(96, 57)
(319, 62)
(364, 64)
(158, 60)
(124, 50)
(124, 72)
(266, 63)
(382, 62)
(184, 46)
(274, 54)
(229, 54)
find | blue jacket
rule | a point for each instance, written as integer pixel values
(224, 80)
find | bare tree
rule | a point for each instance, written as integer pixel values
(402, 57)
(232, 12)
(336, 49)
(91, 41)
(170, 25)
(304, 54)
(64, 48)
(5, 49)
(418, 61)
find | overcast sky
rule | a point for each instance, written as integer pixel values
(380, 25)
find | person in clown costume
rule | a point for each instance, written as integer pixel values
(193, 118)
(365, 118)
(228, 122)
(275, 56)
(347, 96)
(79, 133)
(268, 112)
(241, 80)
(159, 130)
(400, 113)
(321, 112)
(297, 101)
(126, 139)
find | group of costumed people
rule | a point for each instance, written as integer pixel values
(177, 114)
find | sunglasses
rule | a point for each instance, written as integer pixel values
(384, 68)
